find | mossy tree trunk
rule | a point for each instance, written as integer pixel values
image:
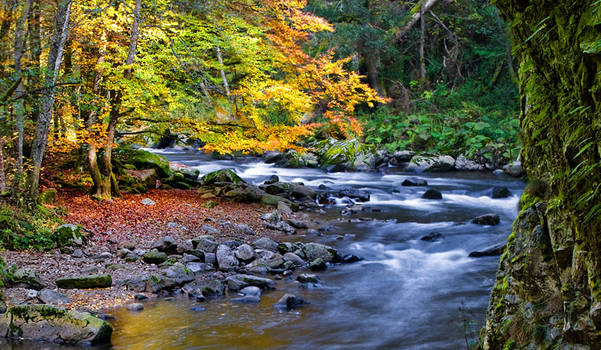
(548, 288)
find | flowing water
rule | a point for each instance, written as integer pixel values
(407, 293)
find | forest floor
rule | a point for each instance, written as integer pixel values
(126, 221)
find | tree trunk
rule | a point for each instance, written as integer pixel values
(35, 49)
(47, 100)
(2, 171)
(548, 289)
(91, 119)
(422, 42)
(19, 106)
(6, 17)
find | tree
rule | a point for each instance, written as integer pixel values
(548, 288)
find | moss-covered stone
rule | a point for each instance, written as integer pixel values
(153, 256)
(48, 196)
(221, 176)
(142, 160)
(55, 325)
(85, 282)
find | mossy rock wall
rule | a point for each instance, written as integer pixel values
(548, 289)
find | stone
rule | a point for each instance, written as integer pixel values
(432, 194)
(104, 256)
(414, 181)
(50, 296)
(273, 200)
(500, 192)
(464, 164)
(134, 307)
(402, 157)
(281, 226)
(77, 253)
(284, 209)
(273, 216)
(178, 273)
(210, 258)
(514, 169)
(297, 224)
(295, 259)
(205, 243)
(154, 257)
(147, 202)
(286, 247)
(165, 244)
(85, 282)
(358, 195)
(54, 325)
(432, 237)
(190, 258)
(240, 281)
(197, 308)
(210, 230)
(220, 177)
(244, 229)
(266, 244)
(23, 277)
(245, 253)
(314, 251)
(251, 291)
(307, 278)
(226, 260)
(247, 300)
(420, 164)
(289, 302)
(487, 219)
(494, 250)
(204, 289)
(69, 235)
(318, 265)
(271, 180)
(196, 267)
(302, 192)
(140, 297)
(350, 258)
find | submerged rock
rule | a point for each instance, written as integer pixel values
(487, 219)
(500, 192)
(54, 325)
(432, 194)
(432, 237)
(358, 195)
(414, 181)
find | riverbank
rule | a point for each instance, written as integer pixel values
(127, 223)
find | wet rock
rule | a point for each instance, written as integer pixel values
(85, 282)
(245, 253)
(494, 250)
(432, 237)
(155, 257)
(464, 164)
(301, 192)
(147, 202)
(487, 219)
(251, 291)
(314, 251)
(197, 308)
(54, 325)
(414, 181)
(220, 177)
(500, 192)
(432, 194)
(400, 157)
(287, 247)
(295, 259)
(437, 163)
(265, 244)
(50, 296)
(205, 243)
(514, 169)
(307, 278)
(272, 179)
(350, 258)
(238, 282)
(289, 302)
(134, 307)
(246, 300)
(165, 244)
(226, 260)
(358, 195)
(297, 224)
(318, 265)
(273, 200)
(140, 297)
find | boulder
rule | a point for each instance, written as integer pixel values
(69, 234)
(432, 194)
(226, 260)
(487, 219)
(514, 169)
(241, 281)
(464, 164)
(281, 226)
(251, 291)
(432, 237)
(350, 258)
(307, 278)
(284, 208)
(154, 257)
(50, 296)
(220, 177)
(297, 224)
(273, 216)
(205, 243)
(245, 253)
(494, 250)
(204, 289)
(265, 244)
(178, 273)
(210, 230)
(271, 180)
(22, 277)
(273, 200)
(400, 157)
(85, 282)
(54, 325)
(318, 265)
(500, 192)
(295, 259)
(134, 307)
(294, 159)
(165, 244)
(145, 160)
(314, 251)
(414, 181)
(437, 163)
(358, 195)
(341, 155)
(289, 302)
(301, 192)
(196, 267)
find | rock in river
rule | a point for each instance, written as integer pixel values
(54, 325)
(487, 219)
(289, 302)
(494, 250)
(500, 192)
(432, 194)
(85, 282)
(320, 251)
(414, 181)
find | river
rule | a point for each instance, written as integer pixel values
(407, 293)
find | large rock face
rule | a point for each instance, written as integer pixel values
(54, 325)
(548, 289)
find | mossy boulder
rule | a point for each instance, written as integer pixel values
(222, 176)
(85, 282)
(48, 196)
(153, 256)
(294, 159)
(143, 160)
(54, 325)
(21, 277)
(273, 200)
(315, 251)
(68, 235)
